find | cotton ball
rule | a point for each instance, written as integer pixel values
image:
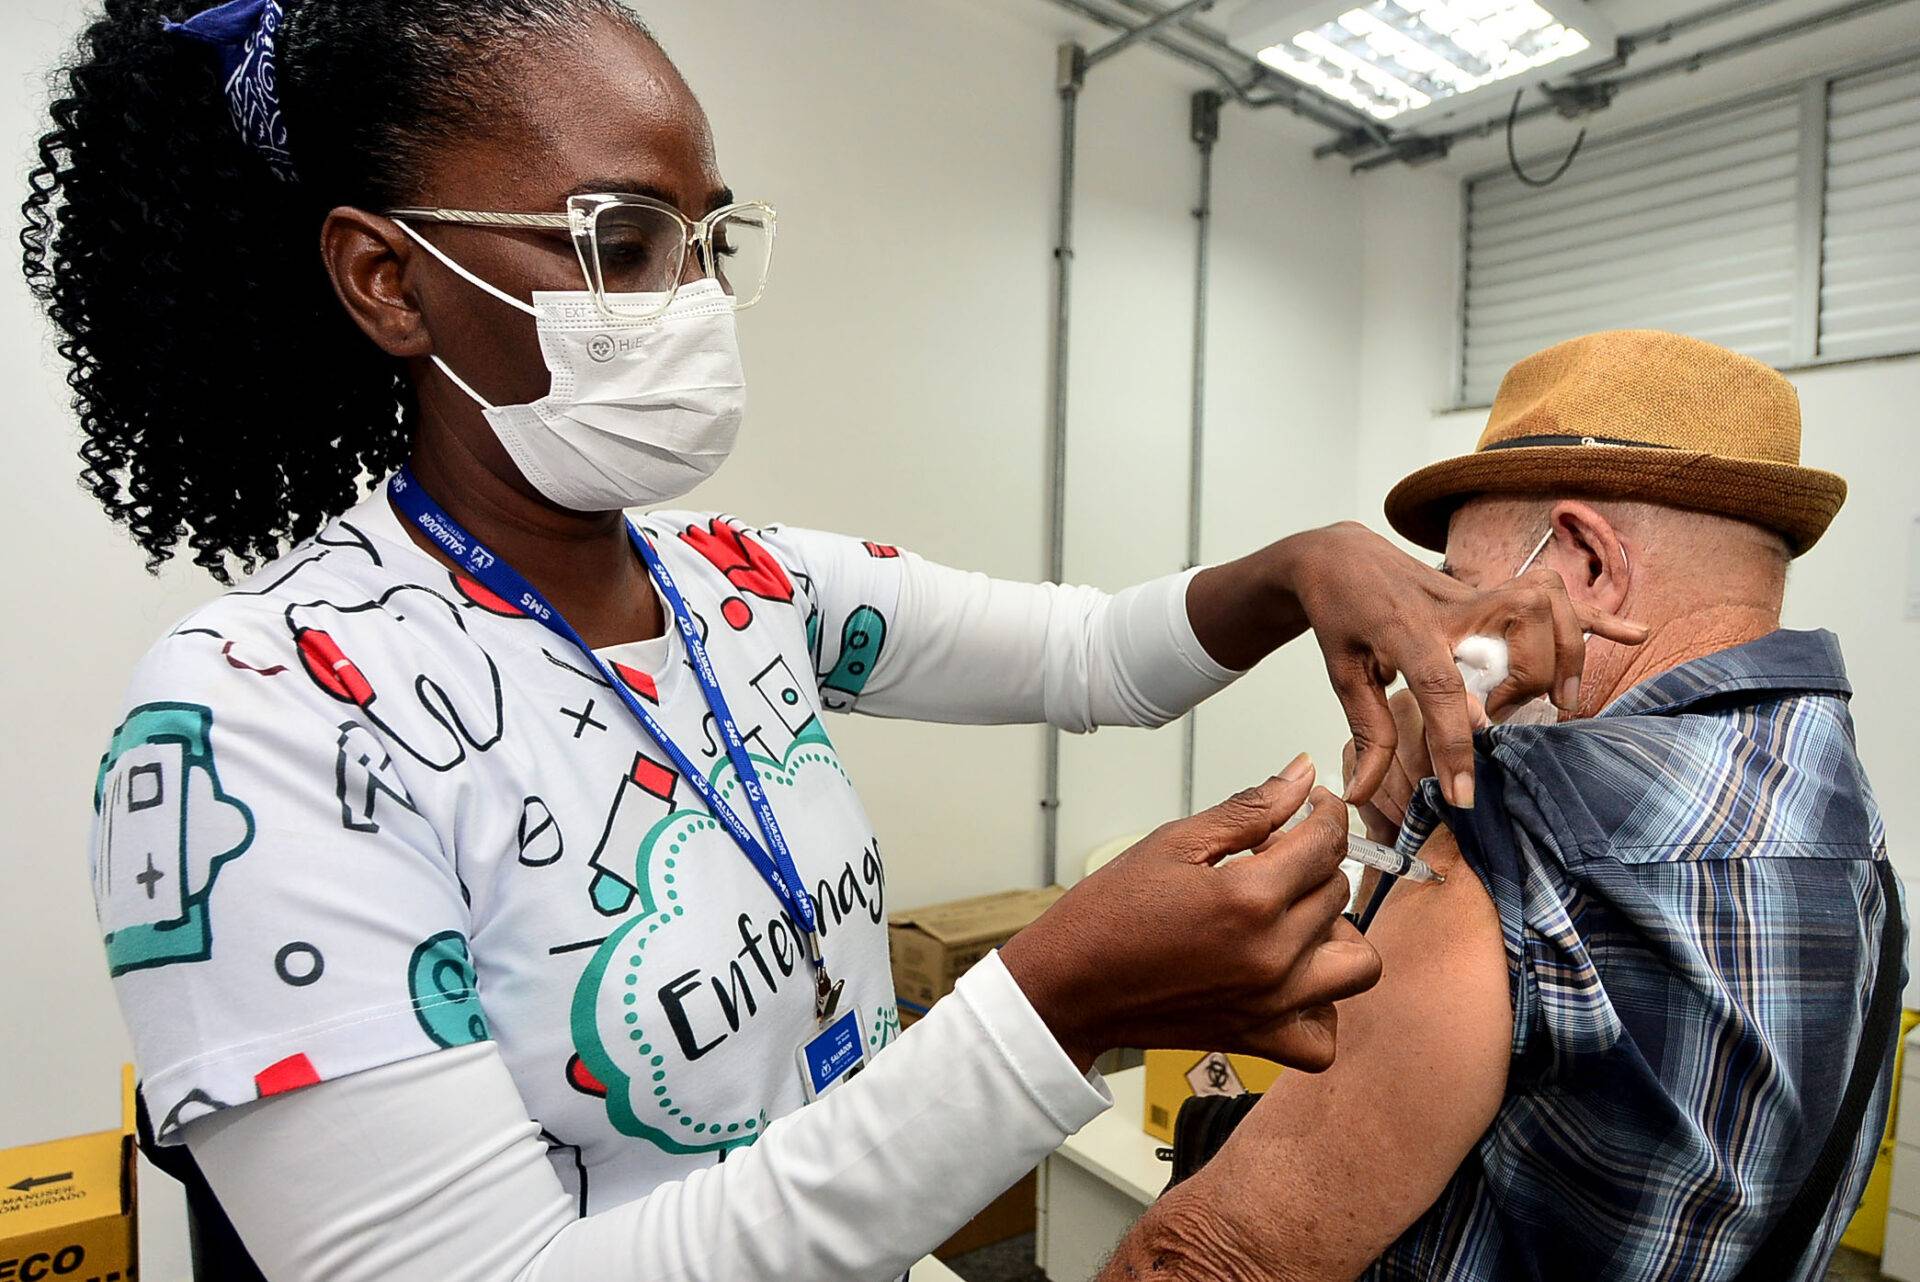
(1483, 664)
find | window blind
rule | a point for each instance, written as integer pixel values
(1690, 227)
(1870, 274)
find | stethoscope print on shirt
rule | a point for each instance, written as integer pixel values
(652, 1019)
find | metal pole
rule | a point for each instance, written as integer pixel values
(1810, 220)
(1145, 29)
(1071, 76)
(1759, 40)
(1666, 31)
(1206, 132)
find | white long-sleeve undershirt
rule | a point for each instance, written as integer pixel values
(985, 650)
(430, 1168)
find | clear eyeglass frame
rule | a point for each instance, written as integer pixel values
(583, 220)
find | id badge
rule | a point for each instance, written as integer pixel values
(831, 1056)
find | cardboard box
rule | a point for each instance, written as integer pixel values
(1172, 1076)
(68, 1211)
(933, 946)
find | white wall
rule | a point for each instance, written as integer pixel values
(1283, 375)
(1282, 368)
(1858, 420)
(87, 611)
(899, 384)
(923, 187)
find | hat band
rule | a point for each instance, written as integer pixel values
(1521, 442)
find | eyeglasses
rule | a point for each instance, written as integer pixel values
(633, 249)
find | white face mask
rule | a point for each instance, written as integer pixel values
(639, 412)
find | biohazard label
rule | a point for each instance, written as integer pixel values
(1214, 1075)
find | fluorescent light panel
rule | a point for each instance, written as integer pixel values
(1391, 57)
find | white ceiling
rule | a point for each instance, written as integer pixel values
(1832, 48)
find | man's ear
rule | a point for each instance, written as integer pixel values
(1590, 556)
(368, 258)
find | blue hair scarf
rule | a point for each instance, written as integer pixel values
(245, 33)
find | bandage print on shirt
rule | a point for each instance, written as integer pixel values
(662, 1038)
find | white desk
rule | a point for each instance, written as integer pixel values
(1095, 1186)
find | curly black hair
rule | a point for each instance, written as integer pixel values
(226, 398)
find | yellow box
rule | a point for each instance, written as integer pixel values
(1172, 1076)
(1867, 1231)
(68, 1209)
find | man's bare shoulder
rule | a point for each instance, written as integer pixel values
(1440, 1017)
(1367, 1146)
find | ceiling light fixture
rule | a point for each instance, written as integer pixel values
(1401, 59)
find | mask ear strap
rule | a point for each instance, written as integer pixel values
(1534, 555)
(465, 275)
(461, 383)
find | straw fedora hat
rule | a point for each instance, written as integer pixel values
(1636, 414)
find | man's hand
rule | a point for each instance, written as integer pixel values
(1379, 614)
(1169, 946)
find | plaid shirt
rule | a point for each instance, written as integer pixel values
(1692, 918)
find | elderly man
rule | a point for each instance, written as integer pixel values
(1643, 1030)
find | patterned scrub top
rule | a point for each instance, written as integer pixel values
(351, 796)
(1692, 914)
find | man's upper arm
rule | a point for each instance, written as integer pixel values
(1330, 1169)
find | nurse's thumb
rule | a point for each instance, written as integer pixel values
(1248, 817)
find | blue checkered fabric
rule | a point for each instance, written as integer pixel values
(1692, 919)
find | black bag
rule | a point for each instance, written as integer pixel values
(1201, 1127)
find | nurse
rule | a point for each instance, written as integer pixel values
(481, 885)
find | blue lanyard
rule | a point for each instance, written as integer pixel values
(776, 869)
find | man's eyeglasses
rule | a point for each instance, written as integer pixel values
(633, 249)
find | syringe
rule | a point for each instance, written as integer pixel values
(1390, 861)
(1375, 855)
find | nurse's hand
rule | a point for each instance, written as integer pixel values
(1379, 614)
(1170, 946)
(1383, 813)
